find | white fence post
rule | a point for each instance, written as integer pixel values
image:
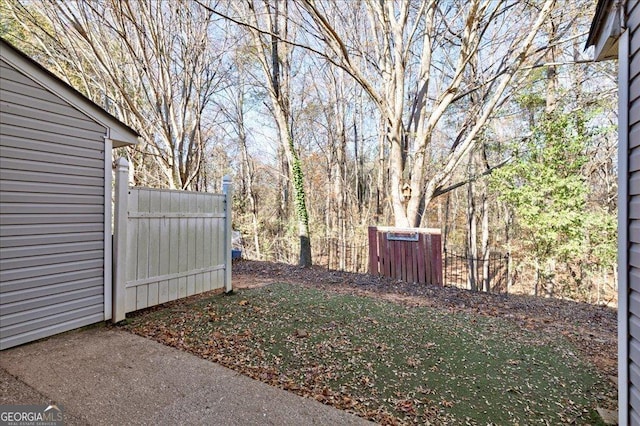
(227, 189)
(121, 218)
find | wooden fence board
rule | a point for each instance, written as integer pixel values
(409, 254)
(421, 259)
(391, 256)
(437, 244)
(381, 255)
(374, 253)
(405, 267)
(401, 270)
(390, 250)
(426, 244)
(413, 259)
(395, 259)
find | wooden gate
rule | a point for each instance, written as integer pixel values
(408, 254)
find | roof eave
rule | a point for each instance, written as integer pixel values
(605, 30)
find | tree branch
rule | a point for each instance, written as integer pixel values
(441, 191)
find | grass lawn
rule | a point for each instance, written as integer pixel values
(384, 361)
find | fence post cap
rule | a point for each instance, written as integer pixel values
(122, 162)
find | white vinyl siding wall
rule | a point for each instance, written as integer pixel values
(52, 205)
(632, 148)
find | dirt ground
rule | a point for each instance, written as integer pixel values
(592, 329)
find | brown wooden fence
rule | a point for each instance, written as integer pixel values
(409, 254)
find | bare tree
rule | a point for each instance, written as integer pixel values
(153, 64)
(412, 66)
(274, 58)
(235, 111)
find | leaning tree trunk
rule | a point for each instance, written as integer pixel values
(486, 254)
(472, 233)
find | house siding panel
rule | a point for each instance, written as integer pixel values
(44, 270)
(634, 135)
(634, 374)
(46, 126)
(634, 231)
(42, 307)
(53, 326)
(34, 219)
(48, 137)
(53, 117)
(9, 73)
(634, 353)
(18, 142)
(634, 113)
(37, 229)
(49, 291)
(634, 183)
(635, 64)
(45, 106)
(50, 188)
(58, 315)
(39, 177)
(632, 22)
(634, 399)
(633, 202)
(33, 92)
(50, 249)
(26, 152)
(45, 260)
(41, 166)
(633, 13)
(53, 279)
(51, 213)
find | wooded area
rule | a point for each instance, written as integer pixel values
(484, 118)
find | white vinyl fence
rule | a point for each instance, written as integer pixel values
(168, 244)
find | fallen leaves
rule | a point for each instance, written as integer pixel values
(593, 329)
(438, 357)
(301, 333)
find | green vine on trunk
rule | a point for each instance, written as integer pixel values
(298, 184)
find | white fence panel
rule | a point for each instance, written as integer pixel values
(168, 244)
